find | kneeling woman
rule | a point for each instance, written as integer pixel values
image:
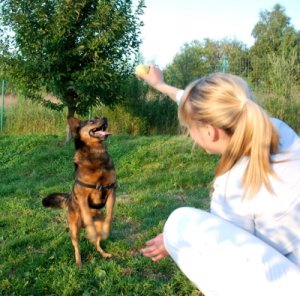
(249, 243)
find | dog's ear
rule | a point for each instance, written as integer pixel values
(74, 123)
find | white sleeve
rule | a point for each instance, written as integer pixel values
(179, 95)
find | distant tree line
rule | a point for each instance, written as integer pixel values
(84, 51)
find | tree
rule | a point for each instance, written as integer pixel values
(274, 33)
(197, 59)
(283, 76)
(186, 65)
(78, 50)
(276, 40)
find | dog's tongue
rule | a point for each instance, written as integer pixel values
(102, 134)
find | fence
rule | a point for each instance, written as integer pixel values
(270, 75)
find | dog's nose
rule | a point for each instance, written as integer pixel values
(104, 119)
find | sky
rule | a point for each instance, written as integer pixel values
(169, 24)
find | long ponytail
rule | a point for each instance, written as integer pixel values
(256, 138)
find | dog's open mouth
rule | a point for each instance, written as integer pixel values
(100, 132)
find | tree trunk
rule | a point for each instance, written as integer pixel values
(71, 113)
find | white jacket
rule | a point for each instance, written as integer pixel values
(274, 218)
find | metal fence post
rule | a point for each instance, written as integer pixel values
(225, 64)
(2, 107)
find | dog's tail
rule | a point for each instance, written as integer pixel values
(56, 200)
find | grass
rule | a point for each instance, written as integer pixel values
(155, 174)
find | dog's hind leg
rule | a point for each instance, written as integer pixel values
(109, 214)
(74, 228)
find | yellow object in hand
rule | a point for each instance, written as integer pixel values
(142, 69)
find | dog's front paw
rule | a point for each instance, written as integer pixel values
(105, 255)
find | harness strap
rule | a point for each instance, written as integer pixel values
(98, 187)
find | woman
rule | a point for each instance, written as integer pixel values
(249, 243)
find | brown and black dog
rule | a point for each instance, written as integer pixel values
(94, 187)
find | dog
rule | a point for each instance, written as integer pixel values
(94, 187)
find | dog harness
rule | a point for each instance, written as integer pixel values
(100, 188)
(97, 186)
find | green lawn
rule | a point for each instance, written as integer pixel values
(155, 176)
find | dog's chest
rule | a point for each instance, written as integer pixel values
(96, 161)
(97, 167)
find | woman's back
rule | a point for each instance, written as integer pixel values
(271, 216)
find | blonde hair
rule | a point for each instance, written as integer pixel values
(226, 102)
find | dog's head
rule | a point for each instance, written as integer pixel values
(89, 131)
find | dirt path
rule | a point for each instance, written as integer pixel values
(9, 101)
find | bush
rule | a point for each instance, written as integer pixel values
(286, 110)
(26, 117)
(153, 116)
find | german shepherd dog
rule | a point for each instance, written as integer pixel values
(94, 187)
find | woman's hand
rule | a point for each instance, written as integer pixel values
(154, 77)
(155, 248)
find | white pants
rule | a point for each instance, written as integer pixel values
(225, 260)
